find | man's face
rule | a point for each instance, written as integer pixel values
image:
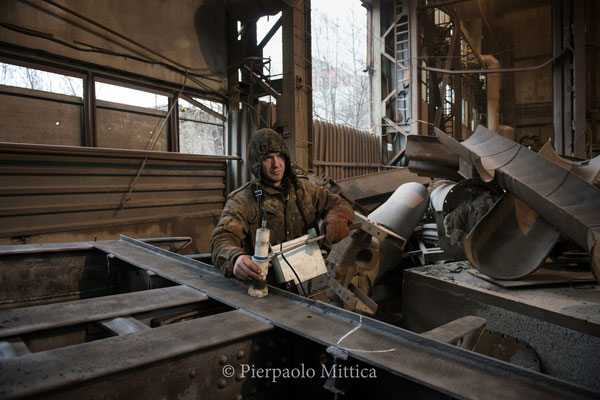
(273, 167)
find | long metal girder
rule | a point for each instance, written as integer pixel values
(35, 374)
(49, 316)
(445, 368)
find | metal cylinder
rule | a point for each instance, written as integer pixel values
(260, 258)
(403, 210)
(438, 194)
(400, 213)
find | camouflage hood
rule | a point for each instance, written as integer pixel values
(267, 141)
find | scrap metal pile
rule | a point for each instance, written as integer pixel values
(498, 205)
(546, 195)
(506, 206)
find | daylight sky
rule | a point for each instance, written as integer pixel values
(338, 11)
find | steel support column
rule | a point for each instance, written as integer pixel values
(562, 78)
(415, 87)
(579, 98)
(89, 111)
(294, 111)
(377, 47)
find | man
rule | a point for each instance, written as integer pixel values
(291, 205)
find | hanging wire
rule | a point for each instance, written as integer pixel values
(286, 261)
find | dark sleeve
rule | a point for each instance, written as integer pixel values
(323, 200)
(227, 240)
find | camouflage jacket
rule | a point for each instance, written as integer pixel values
(288, 217)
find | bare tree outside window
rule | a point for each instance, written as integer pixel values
(30, 78)
(340, 82)
(199, 131)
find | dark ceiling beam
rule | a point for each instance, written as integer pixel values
(439, 4)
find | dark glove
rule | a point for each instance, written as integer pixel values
(336, 224)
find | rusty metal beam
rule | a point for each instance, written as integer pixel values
(378, 186)
(59, 368)
(397, 127)
(204, 108)
(49, 316)
(448, 369)
(397, 156)
(466, 329)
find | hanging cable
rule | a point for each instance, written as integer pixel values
(286, 261)
(294, 271)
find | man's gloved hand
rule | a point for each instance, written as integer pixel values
(245, 269)
(336, 224)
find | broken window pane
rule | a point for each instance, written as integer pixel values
(200, 132)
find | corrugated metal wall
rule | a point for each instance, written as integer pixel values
(47, 188)
(342, 152)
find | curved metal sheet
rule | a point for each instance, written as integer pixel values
(510, 241)
(563, 199)
(588, 170)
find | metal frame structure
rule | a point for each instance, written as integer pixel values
(400, 70)
(99, 367)
(91, 75)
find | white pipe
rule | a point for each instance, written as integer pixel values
(493, 93)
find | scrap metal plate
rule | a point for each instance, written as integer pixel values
(510, 241)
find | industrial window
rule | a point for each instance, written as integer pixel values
(441, 18)
(45, 106)
(272, 49)
(132, 97)
(39, 106)
(128, 118)
(31, 78)
(448, 100)
(340, 81)
(201, 127)
(425, 84)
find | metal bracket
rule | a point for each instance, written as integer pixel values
(378, 231)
